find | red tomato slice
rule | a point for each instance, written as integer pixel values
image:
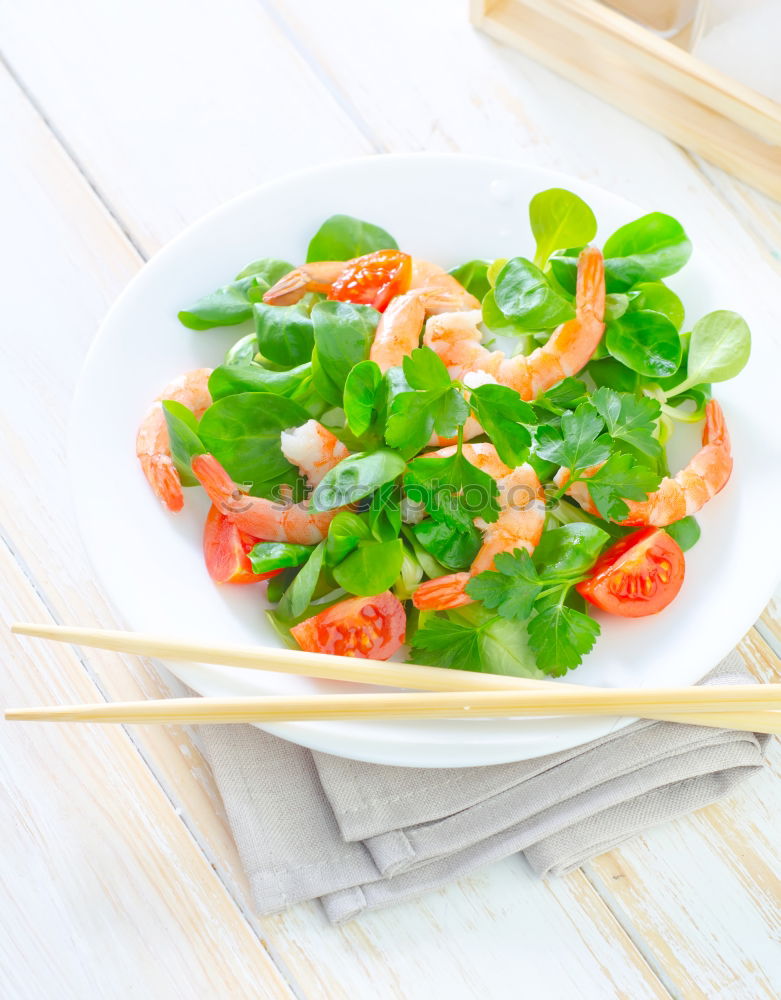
(225, 550)
(374, 279)
(638, 576)
(367, 627)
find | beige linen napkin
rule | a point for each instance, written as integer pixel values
(360, 836)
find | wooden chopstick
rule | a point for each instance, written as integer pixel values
(726, 700)
(343, 668)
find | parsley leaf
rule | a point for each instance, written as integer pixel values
(511, 589)
(441, 642)
(424, 369)
(435, 404)
(503, 415)
(561, 636)
(578, 443)
(629, 418)
(473, 639)
(620, 478)
(452, 488)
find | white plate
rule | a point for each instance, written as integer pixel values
(448, 209)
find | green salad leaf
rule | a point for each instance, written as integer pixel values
(452, 544)
(371, 568)
(655, 296)
(524, 294)
(232, 303)
(184, 439)
(266, 271)
(243, 351)
(474, 277)
(229, 380)
(344, 533)
(299, 594)
(268, 556)
(570, 550)
(685, 532)
(342, 237)
(355, 477)
(559, 218)
(645, 341)
(719, 348)
(285, 333)
(243, 433)
(385, 512)
(363, 397)
(652, 247)
(343, 334)
(612, 374)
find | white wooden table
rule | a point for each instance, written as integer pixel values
(121, 124)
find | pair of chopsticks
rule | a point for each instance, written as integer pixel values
(447, 694)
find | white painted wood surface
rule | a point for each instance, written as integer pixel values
(122, 124)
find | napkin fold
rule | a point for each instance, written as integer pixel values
(360, 836)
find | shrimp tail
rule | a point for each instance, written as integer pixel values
(715, 431)
(153, 447)
(162, 476)
(219, 486)
(315, 277)
(443, 593)
(591, 292)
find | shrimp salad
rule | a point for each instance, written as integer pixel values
(472, 462)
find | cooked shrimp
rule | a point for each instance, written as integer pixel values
(519, 526)
(315, 277)
(313, 448)
(398, 332)
(152, 444)
(442, 292)
(275, 520)
(432, 291)
(456, 339)
(705, 475)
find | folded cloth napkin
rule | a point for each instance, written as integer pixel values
(359, 836)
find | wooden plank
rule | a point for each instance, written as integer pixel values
(180, 105)
(654, 80)
(105, 893)
(478, 938)
(759, 214)
(704, 893)
(58, 223)
(472, 95)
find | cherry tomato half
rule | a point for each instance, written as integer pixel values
(374, 279)
(638, 576)
(367, 627)
(225, 550)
